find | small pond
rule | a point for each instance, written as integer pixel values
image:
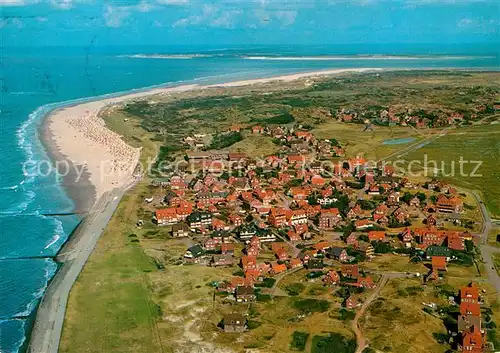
(399, 141)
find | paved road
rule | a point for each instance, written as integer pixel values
(48, 325)
(486, 250)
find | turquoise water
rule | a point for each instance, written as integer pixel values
(400, 141)
(34, 81)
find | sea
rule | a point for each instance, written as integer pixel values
(35, 80)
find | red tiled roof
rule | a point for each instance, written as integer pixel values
(470, 308)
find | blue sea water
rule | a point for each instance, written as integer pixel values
(36, 80)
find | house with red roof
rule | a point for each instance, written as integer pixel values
(351, 303)
(167, 216)
(376, 235)
(467, 308)
(455, 241)
(363, 224)
(351, 270)
(329, 218)
(438, 263)
(278, 217)
(248, 263)
(257, 129)
(305, 135)
(352, 239)
(469, 293)
(252, 251)
(294, 263)
(321, 246)
(407, 237)
(293, 236)
(281, 254)
(355, 212)
(332, 277)
(277, 268)
(472, 341)
(449, 204)
(296, 159)
(295, 217)
(318, 181)
(299, 193)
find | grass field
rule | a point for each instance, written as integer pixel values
(367, 144)
(478, 143)
(395, 321)
(110, 308)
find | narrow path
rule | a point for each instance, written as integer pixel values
(360, 338)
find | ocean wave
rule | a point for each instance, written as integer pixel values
(364, 57)
(21, 93)
(17, 345)
(167, 56)
(50, 271)
(59, 232)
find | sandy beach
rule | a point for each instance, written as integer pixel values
(98, 158)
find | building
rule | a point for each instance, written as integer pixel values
(247, 231)
(194, 252)
(471, 341)
(248, 263)
(234, 323)
(244, 294)
(376, 235)
(167, 216)
(438, 263)
(470, 309)
(329, 218)
(350, 303)
(332, 277)
(278, 217)
(350, 271)
(365, 249)
(337, 253)
(222, 260)
(469, 294)
(449, 204)
(180, 230)
(197, 220)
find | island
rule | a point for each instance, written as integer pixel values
(338, 211)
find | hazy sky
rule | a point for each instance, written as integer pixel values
(78, 22)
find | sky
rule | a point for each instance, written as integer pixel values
(243, 22)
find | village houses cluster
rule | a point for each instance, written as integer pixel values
(308, 216)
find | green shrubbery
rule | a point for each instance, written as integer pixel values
(299, 340)
(312, 305)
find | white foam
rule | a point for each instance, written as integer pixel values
(362, 57)
(50, 271)
(18, 344)
(167, 56)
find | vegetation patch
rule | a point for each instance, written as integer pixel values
(333, 343)
(299, 340)
(311, 305)
(294, 289)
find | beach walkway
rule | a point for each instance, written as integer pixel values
(48, 325)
